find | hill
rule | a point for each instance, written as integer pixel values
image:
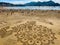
(9, 4)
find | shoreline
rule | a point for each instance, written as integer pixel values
(33, 8)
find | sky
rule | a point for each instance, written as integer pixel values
(25, 1)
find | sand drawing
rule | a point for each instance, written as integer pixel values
(30, 33)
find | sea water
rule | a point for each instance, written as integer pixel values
(35, 7)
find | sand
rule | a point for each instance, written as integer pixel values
(29, 27)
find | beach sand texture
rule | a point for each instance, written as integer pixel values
(29, 27)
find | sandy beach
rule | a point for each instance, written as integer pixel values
(29, 27)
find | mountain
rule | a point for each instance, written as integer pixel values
(48, 3)
(5, 4)
(9, 4)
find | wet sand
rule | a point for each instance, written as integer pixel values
(29, 27)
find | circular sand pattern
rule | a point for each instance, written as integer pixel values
(30, 33)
